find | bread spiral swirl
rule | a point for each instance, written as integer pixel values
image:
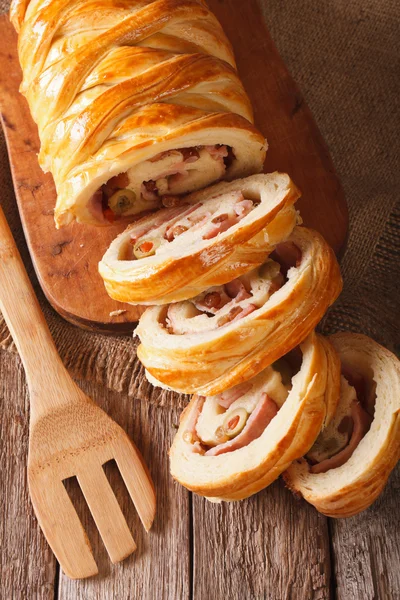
(282, 415)
(342, 477)
(218, 234)
(195, 347)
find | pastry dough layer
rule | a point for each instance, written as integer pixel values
(347, 490)
(210, 361)
(190, 263)
(113, 85)
(242, 472)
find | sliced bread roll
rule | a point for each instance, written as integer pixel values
(234, 444)
(177, 253)
(348, 466)
(230, 333)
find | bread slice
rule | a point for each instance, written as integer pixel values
(346, 490)
(208, 465)
(193, 348)
(190, 253)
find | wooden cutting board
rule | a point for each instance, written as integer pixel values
(66, 260)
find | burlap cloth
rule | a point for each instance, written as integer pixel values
(345, 58)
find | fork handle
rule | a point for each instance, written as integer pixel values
(28, 327)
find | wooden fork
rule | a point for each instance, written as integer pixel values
(69, 436)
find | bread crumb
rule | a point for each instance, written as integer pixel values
(117, 313)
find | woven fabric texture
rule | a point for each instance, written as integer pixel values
(345, 57)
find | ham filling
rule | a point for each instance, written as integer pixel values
(216, 308)
(160, 181)
(259, 419)
(207, 219)
(288, 255)
(361, 424)
(223, 305)
(355, 425)
(237, 417)
(227, 398)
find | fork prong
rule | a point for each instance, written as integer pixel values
(137, 480)
(62, 527)
(106, 513)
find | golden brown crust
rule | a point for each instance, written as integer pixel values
(351, 488)
(244, 472)
(215, 361)
(111, 88)
(188, 271)
(332, 392)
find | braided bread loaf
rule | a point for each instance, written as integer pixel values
(134, 95)
(138, 102)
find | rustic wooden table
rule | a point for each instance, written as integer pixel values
(271, 546)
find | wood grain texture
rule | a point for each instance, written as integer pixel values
(367, 549)
(160, 567)
(66, 260)
(27, 565)
(270, 546)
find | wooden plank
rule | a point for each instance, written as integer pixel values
(367, 549)
(160, 567)
(27, 565)
(66, 260)
(270, 546)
